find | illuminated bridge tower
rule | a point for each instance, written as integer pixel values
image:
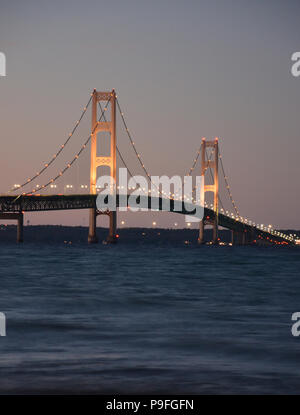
(98, 160)
(213, 164)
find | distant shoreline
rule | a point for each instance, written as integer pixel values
(78, 234)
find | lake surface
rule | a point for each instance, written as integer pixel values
(149, 318)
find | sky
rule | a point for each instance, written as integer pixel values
(182, 70)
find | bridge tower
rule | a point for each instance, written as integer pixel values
(98, 160)
(205, 164)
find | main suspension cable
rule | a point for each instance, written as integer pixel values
(195, 160)
(74, 159)
(228, 187)
(54, 157)
(135, 150)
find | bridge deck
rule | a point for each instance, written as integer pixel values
(38, 203)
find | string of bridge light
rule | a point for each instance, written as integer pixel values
(135, 150)
(54, 157)
(261, 228)
(141, 161)
(228, 187)
(246, 221)
(195, 161)
(267, 229)
(68, 166)
(189, 174)
(237, 218)
(226, 213)
(143, 165)
(179, 193)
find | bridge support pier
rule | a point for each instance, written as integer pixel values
(213, 222)
(237, 238)
(20, 228)
(111, 238)
(112, 227)
(242, 238)
(18, 216)
(92, 238)
(201, 233)
(215, 231)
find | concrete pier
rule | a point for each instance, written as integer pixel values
(19, 217)
(92, 238)
(20, 227)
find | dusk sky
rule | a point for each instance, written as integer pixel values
(182, 70)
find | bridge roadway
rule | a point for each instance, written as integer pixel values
(13, 207)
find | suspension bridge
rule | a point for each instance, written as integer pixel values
(29, 197)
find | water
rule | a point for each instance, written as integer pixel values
(149, 319)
